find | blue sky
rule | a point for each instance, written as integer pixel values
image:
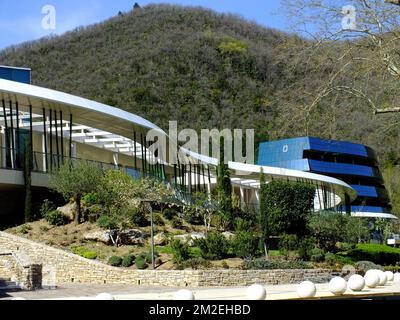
(21, 20)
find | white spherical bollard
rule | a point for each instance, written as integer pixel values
(356, 282)
(371, 279)
(104, 296)
(382, 277)
(256, 292)
(184, 294)
(306, 289)
(337, 286)
(389, 275)
(396, 277)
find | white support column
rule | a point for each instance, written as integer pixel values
(242, 202)
(44, 153)
(115, 159)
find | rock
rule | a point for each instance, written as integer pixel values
(160, 239)
(68, 211)
(99, 236)
(228, 235)
(189, 238)
(132, 236)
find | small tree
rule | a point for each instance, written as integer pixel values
(224, 188)
(287, 207)
(264, 213)
(73, 180)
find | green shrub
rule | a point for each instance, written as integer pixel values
(317, 255)
(214, 246)
(176, 223)
(147, 256)
(25, 228)
(158, 221)
(377, 253)
(46, 207)
(115, 261)
(196, 263)
(55, 218)
(180, 251)
(140, 263)
(305, 246)
(138, 217)
(337, 260)
(89, 255)
(288, 242)
(169, 213)
(106, 222)
(245, 244)
(224, 265)
(84, 252)
(79, 250)
(44, 228)
(128, 260)
(261, 263)
(91, 198)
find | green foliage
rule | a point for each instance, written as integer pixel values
(55, 218)
(337, 260)
(176, 223)
(230, 45)
(84, 252)
(377, 253)
(91, 198)
(214, 246)
(288, 242)
(180, 251)
(245, 244)
(224, 189)
(158, 221)
(140, 263)
(317, 255)
(106, 222)
(25, 228)
(137, 216)
(89, 255)
(128, 260)
(224, 265)
(75, 179)
(364, 266)
(44, 228)
(47, 206)
(305, 247)
(196, 263)
(285, 207)
(329, 228)
(115, 261)
(169, 213)
(261, 263)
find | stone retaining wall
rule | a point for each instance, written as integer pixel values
(64, 267)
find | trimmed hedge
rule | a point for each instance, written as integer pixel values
(377, 253)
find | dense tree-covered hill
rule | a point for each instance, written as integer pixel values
(204, 70)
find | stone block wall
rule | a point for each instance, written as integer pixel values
(64, 267)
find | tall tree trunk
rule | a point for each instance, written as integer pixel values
(78, 209)
(266, 250)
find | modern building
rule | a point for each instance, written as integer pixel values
(353, 163)
(57, 126)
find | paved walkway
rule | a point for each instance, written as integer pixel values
(128, 292)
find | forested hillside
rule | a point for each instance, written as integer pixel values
(204, 70)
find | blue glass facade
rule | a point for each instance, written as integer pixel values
(15, 74)
(352, 163)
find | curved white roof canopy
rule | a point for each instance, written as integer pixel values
(113, 121)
